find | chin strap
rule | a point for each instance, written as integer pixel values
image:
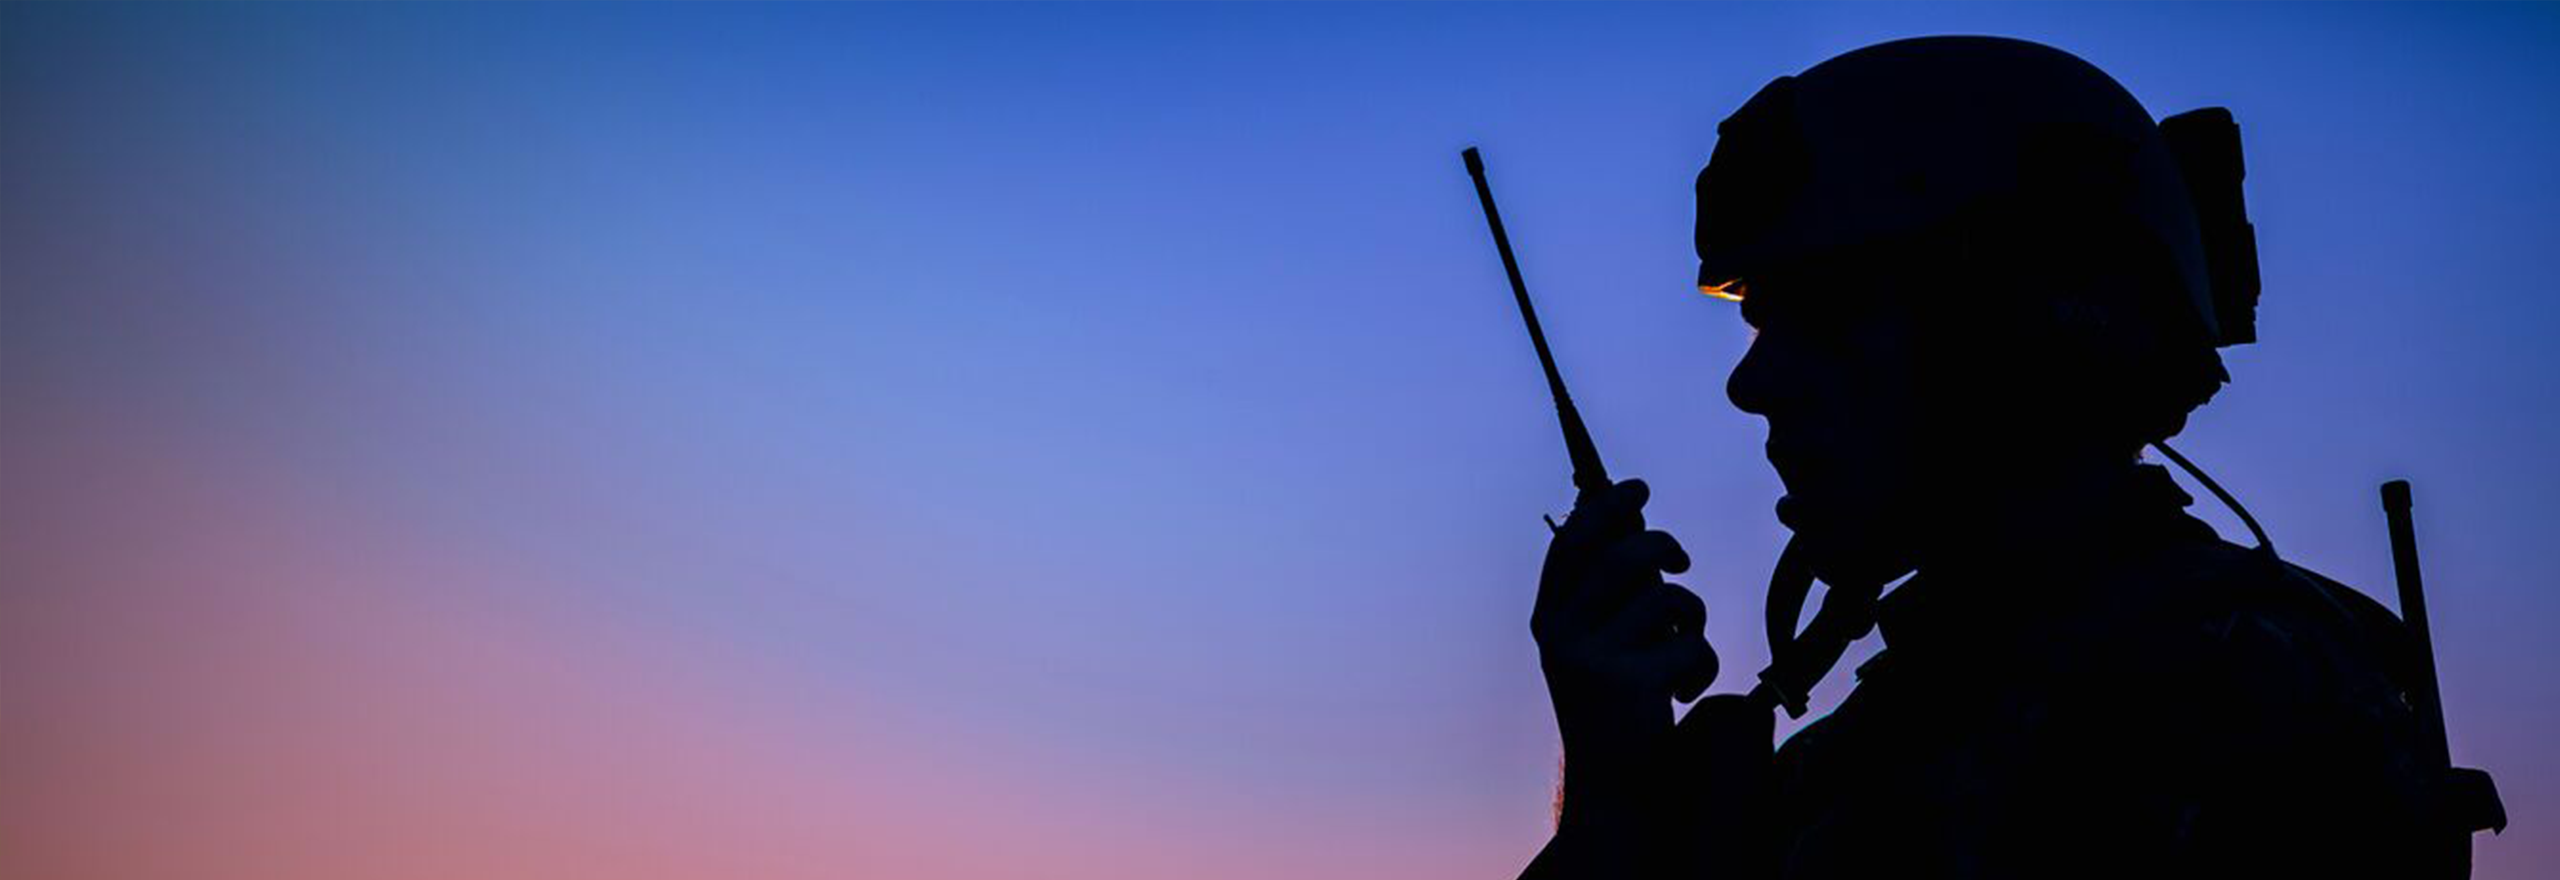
(1798, 660)
(2264, 546)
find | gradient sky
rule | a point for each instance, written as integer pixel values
(1064, 441)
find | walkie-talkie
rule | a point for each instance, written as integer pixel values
(1588, 474)
(1797, 661)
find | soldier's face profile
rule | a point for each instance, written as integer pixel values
(1833, 370)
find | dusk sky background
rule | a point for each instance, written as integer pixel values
(988, 441)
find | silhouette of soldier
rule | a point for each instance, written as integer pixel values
(1982, 280)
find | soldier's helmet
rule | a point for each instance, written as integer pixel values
(2024, 153)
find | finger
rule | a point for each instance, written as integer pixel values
(1626, 568)
(1645, 552)
(1662, 611)
(1615, 510)
(1670, 622)
(1598, 518)
(1687, 664)
(1566, 592)
(1688, 612)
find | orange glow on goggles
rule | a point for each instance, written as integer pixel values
(1730, 291)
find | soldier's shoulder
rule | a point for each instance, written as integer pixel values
(2277, 628)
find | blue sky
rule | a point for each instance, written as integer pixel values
(1133, 386)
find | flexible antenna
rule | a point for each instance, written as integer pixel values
(1588, 474)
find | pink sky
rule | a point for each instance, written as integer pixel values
(206, 677)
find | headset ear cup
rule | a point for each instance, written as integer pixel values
(2206, 145)
(2234, 257)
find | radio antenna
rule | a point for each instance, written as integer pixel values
(1588, 474)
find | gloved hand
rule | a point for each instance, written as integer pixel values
(1617, 644)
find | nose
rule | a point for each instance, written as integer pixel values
(1752, 386)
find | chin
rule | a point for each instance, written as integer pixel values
(1847, 548)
